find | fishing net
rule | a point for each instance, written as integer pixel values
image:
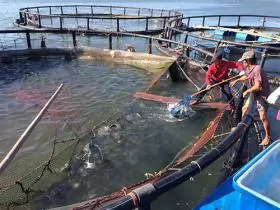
(31, 173)
(217, 129)
(212, 134)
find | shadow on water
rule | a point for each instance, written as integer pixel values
(21, 69)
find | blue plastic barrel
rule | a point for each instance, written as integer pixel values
(219, 32)
(241, 36)
(264, 39)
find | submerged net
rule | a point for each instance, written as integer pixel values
(217, 129)
(211, 135)
(31, 173)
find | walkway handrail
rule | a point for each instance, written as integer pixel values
(12, 153)
(254, 44)
(101, 6)
(220, 16)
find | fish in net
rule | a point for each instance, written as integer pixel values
(211, 133)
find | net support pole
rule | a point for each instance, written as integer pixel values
(12, 153)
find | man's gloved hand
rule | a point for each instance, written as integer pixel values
(241, 73)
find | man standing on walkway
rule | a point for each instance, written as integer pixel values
(259, 90)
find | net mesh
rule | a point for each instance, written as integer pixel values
(209, 138)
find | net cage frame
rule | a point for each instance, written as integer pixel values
(34, 17)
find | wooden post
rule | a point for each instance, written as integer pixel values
(147, 24)
(124, 11)
(61, 10)
(161, 13)
(188, 23)
(39, 19)
(88, 23)
(118, 25)
(152, 13)
(219, 21)
(263, 58)
(50, 10)
(28, 40)
(203, 21)
(110, 42)
(238, 21)
(164, 22)
(138, 12)
(38, 11)
(263, 22)
(188, 52)
(150, 46)
(110, 10)
(91, 10)
(217, 47)
(60, 22)
(186, 38)
(21, 18)
(74, 39)
(76, 9)
(25, 18)
(170, 36)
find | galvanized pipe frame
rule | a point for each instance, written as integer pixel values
(186, 46)
(189, 29)
(176, 13)
(219, 19)
(29, 31)
(24, 13)
(151, 38)
(204, 17)
(254, 44)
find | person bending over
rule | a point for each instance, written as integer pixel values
(217, 72)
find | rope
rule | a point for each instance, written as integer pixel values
(187, 77)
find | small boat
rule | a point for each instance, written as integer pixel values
(254, 186)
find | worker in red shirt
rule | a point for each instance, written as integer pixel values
(217, 72)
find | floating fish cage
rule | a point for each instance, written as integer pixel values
(95, 18)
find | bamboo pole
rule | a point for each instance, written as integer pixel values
(12, 153)
(212, 86)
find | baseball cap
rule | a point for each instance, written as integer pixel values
(247, 55)
(218, 56)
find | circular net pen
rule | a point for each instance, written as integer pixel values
(98, 19)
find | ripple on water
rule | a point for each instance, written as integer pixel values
(91, 92)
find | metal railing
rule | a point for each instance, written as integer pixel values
(105, 18)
